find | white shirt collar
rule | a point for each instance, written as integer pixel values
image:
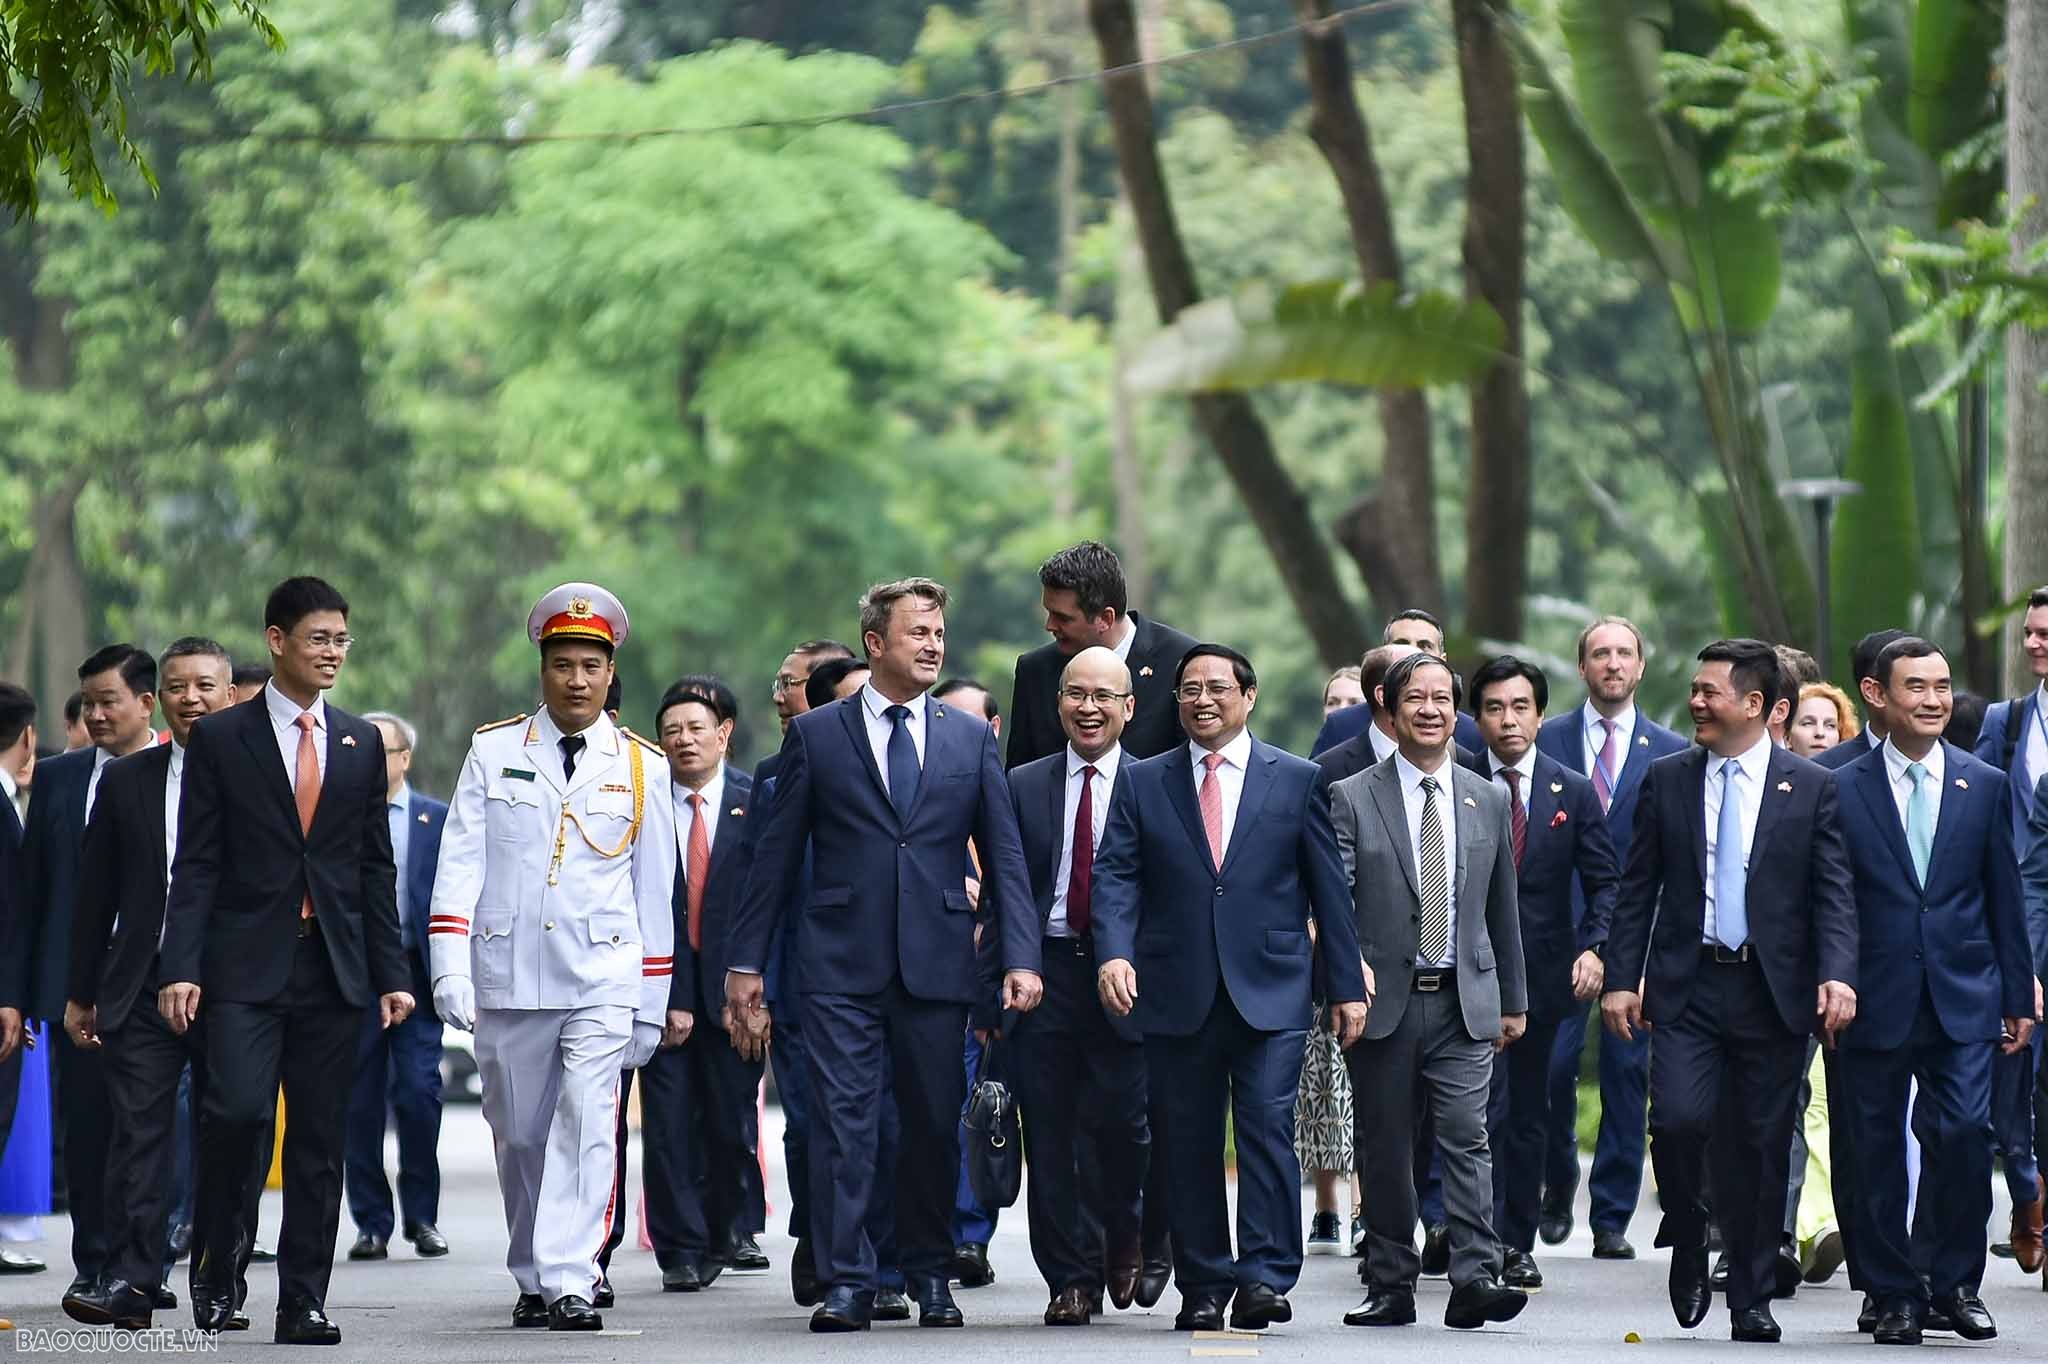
(100, 758)
(1895, 762)
(9, 787)
(285, 712)
(177, 757)
(403, 800)
(597, 734)
(1624, 723)
(1237, 753)
(1105, 766)
(713, 792)
(1382, 742)
(1526, 765)
(878, 705)
(1122, 648)
(1755, 760)
(1411, 775)
(2041, 693)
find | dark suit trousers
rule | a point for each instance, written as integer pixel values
(1954, 1110)
(1518, 1124)
(1727, 1069)
(861, 1047)
(1075, 1076)
(1229, 1066)
(1616, 1184)
(307, 1042)
(792, 1090)
(695, 1101)
(397, 1070)
(82, 1111)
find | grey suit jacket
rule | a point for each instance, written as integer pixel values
(1372, 833)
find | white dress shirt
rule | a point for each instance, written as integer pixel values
(11, 788)
(714, 798)
(1753, 766)
(174, 784)
(1122, 648)
(1383, 745)
(1895, 764)
(1596, 738)
(1412, 797)
(1229, 778)
(100, 759)
(874, 706)
(2034, 748)
(1525, 765)
(1098, 809)
(284, 720)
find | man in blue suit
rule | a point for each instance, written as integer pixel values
(1414, 629)
(118, 684)
(1216, 857)
(399, 1068)
(1612, 743)
(885, 788)
(2014, 740)
(1561, 845)
(1942, 940)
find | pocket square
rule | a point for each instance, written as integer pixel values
(348, 741)
(1785, 786)
(1557, 819)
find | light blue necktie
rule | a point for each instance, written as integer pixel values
(1919, 828)
(1731, 877)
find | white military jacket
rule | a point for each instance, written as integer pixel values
(558, 894)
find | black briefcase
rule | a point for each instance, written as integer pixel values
(995, 1148)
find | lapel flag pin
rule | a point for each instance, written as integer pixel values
(1962, 785)
(1557, 819)
(1785, 786)
(1643, 741)
(1556, 788)
(1471, 802)
(348, 741)
(737, 812)
(1145, 671)
(423, 817)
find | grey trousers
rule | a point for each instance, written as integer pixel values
(1428, 1060)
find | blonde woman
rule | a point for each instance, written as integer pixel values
(1823, 719)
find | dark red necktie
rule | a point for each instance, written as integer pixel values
(1518, 819)
(1083, 875)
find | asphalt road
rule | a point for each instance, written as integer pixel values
(456, 1310)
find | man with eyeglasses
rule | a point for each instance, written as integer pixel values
(1216, 856)
(1078, 1071)
(282, 923)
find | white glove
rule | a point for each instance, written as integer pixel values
(455, 1001)
(646, 1037)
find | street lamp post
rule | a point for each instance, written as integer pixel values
(1823, 493)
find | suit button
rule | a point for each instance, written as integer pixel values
(1219, 890)
(1916, 956)
(904, 844)
(549, 925)
(615, 939)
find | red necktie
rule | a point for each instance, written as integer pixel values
(1212, 808)
(306, 790)
(697, 870)
(1518, 818)
(1082, 877)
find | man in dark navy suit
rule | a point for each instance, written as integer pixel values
(698, 1092)
(1078, 1070)
(1561, 843)
(118, 684)
(1086, 605)
(17, 759)
(1738, 861)
(399, 1068)
(1942, 940)
(885, 788)
(1216, 857)
(1612, 743)
(1411, 629)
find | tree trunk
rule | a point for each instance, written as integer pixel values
(1497, 521)
(1980, 594)
(2026, 351)
(1391, 531)
(1228, 420)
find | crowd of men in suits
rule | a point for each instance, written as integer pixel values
(1127, 905)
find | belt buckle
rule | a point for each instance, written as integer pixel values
(1731, 956)
(306, 926)
(1429, 982)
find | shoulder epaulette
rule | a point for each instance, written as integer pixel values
(642, 740)
(500, 724)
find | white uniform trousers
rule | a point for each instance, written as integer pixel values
(551, 1096)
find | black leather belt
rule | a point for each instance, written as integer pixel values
(1076, 947)
(1429, 982)
(309, 925)
(1727, 956)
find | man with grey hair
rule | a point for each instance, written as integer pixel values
(885, 789)
(400, 1067)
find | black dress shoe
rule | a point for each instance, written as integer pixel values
(1384, 1307)
(1436, 1251)
(1690, 1294)
(971, 1266)
(1866, 1319)
(368, 1247)
(1612, 1245)
(1256, 1307)
(1124, 1262)
(846, 1309)
(1966, 1315)
(1069, 1307)
(803, 1274)
(1554, 1225)
(682, 1279)
(181, 1242)
(571, 1312)
(162, 1299)
(530, 1310)
(212, 1312)
(260, 1254)
(1755, 1325)
(86, 1301)
(19, 1262)
(712, 1264)
(601, 1295)
(1718, 1280)
(1935, 1318)
(1898, 1324)
(1786, 1272)
(935, 1305)
(427, 1241)
(891, 1304)
(305, 1325)
(1199, 1314)
(746, 1257)
(114, 1302)
(237, 1321)
(1520, 1271)
(1481, 1300)
(1152, 1281)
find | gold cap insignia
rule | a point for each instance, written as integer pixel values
(579, 607)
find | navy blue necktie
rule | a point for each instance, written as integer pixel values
(903, 768)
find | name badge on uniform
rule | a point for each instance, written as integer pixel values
(615, 787)
(516, 773)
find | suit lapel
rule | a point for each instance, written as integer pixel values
(1542, 802)
(1948, 817)
(1180, 789)
(1056, 815)
(604, 740)
(1385, 785)
(1873, 788)
(1778, 789)
(261, 739)
(1258, 781)
(1464, 812)
(937, 752)
(153, 806)
(336, 772)
(1634, 762)
(1696, 808)
(853, 715)
(738, 790)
